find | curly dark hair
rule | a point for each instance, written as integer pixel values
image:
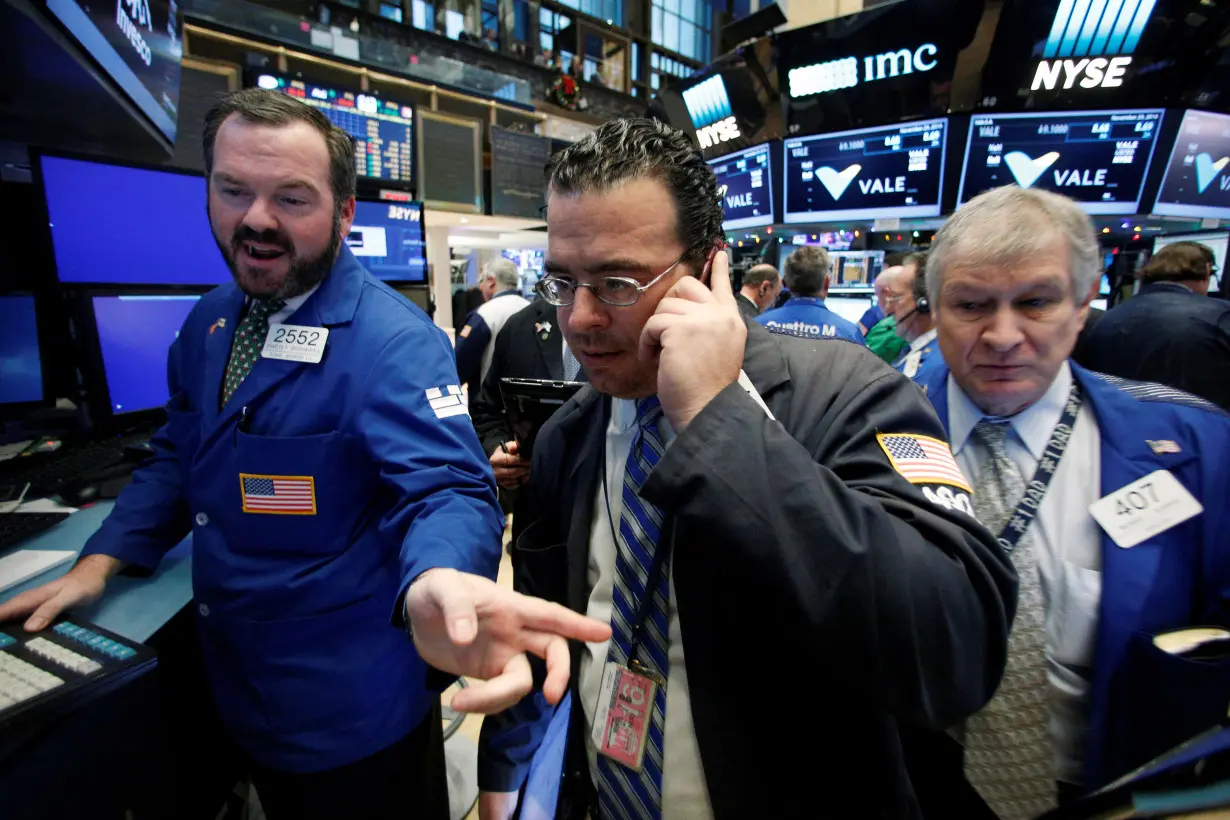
(264, 107)
(632, 148)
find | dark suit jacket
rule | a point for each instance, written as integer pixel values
(521, 351)
(747, 307)
(805, 568)
(1166, 334)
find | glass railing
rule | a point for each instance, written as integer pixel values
(372, 51)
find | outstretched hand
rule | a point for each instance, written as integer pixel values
(467, 625)
(698, 336)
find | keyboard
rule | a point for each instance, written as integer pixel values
(64, 665)
(46, 473)
(17, 527)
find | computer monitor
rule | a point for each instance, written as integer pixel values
(21, 365)
(120, 225)
(871, 173)
(134, 335)
(745, 183)
(1196, 182)
(1098, 158)
(387, 237)
(383, 130)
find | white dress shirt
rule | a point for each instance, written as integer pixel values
(292, 304)
(1068, 544)
(685, 795)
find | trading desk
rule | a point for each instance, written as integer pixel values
(135, 608)
(110, 749)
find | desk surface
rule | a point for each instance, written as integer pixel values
(135, 608)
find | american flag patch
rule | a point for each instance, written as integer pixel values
(1163, 447)
(278, 494)
(447, 401)
(922, 459)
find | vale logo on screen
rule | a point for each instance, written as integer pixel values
(1207, 171)
(837, 183)
(1026, 169)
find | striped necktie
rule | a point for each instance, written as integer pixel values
(624, 794)
(1008, 756)
(249, 339)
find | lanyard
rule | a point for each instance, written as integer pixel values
(1027, 508)
(657, 567)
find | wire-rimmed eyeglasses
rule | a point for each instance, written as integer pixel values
(619, 291)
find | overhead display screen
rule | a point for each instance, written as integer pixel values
(745, 180)
(139, 44)
(870, 173)
(1098, 158)
(1197, 182)
(388, 239)
(382, 129)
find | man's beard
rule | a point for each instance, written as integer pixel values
(301, 276)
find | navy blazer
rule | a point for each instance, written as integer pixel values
(1180, 577)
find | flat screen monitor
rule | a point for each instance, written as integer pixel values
(383, 130)
(893, 171)
(388, 239)
(1216, 241)
(1098, 158)
(745, 180)
(138, 43)
(117, 225)
(134, 335)
(21, 366)
(1197, 182)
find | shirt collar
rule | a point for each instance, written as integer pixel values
(923, 340)
(623, 417)
(1033, 425)
(509, 292)
(293, 303)
(808, 300)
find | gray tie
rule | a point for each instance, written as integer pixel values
(1008, 755)
(571, 366)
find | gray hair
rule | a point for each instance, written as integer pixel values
(806, 269)
(1008, 224)
(504, 272)
(627, 149)
(759, 274)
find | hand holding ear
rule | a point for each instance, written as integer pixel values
(698, 336)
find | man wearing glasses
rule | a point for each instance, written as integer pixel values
(761, 503)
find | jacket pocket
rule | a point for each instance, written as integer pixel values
(297, 494)
(540, 562)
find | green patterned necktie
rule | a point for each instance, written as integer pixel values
(249, 339)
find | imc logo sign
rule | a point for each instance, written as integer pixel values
(820, 78)
(709, 107)
(1091, 42)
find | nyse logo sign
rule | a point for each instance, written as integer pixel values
(403, 213)
(845, 73)
(721, 131)
(1090, 42)
(709, 107)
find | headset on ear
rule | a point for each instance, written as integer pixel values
(922, 305)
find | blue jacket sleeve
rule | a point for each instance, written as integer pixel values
(151, 515)
(508, 742)
(471, 343)
(419, 436)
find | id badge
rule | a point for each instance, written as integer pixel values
(295, 343)
(625, 710)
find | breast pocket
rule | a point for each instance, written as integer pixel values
(540, 562)
(299, 494)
